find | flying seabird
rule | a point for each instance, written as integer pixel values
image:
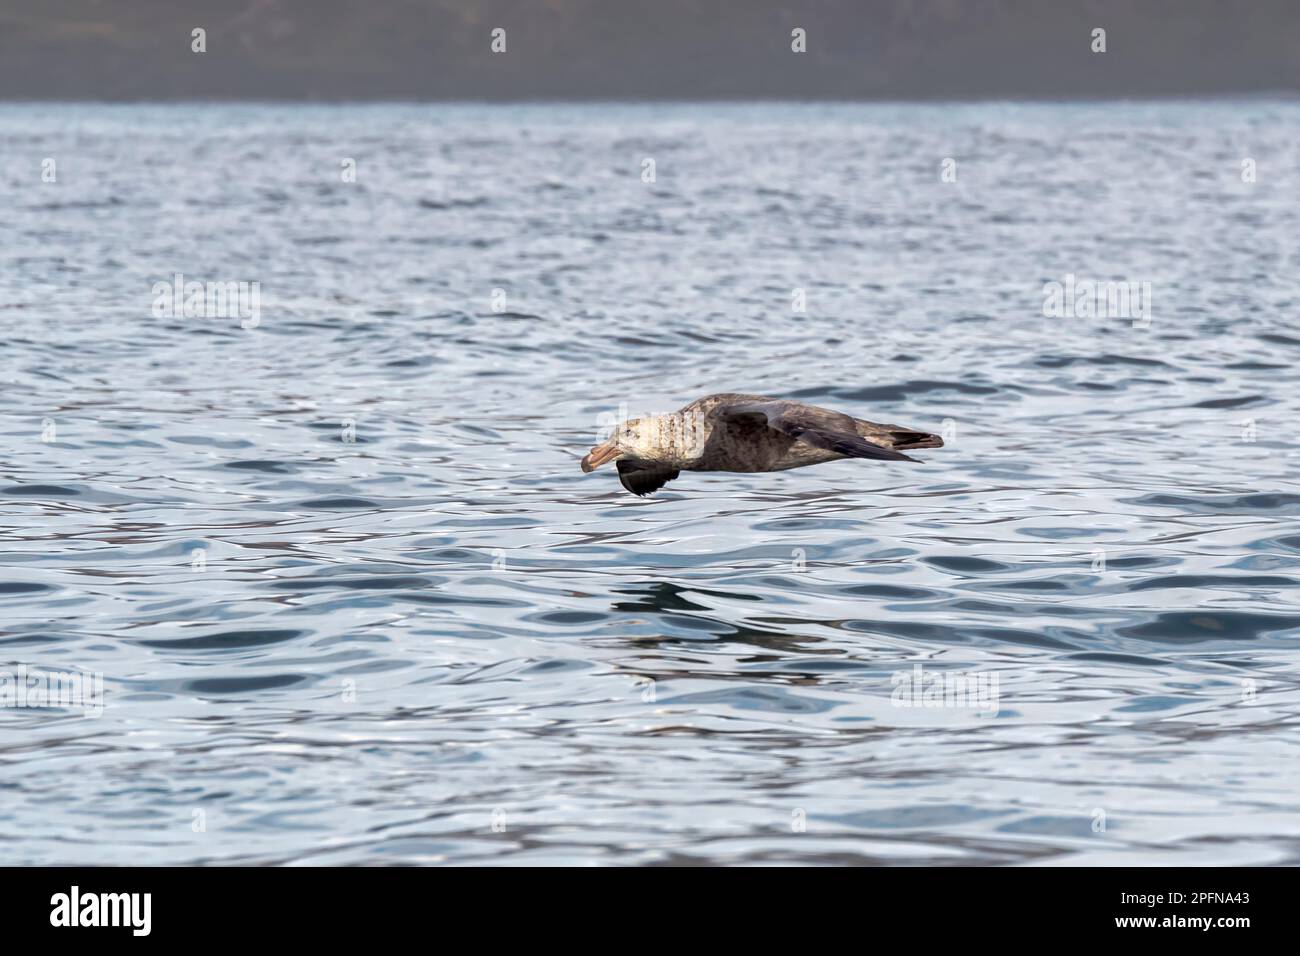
(745, 433)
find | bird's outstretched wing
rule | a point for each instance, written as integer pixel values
(642, 477)
(819, 427)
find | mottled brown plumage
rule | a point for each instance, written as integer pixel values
(745, 433)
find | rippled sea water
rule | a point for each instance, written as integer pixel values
(442, 643)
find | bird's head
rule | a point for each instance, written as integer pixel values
(634, 438)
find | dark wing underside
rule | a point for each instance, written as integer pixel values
(831, 430)
(643, 477)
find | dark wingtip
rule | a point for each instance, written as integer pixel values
(909, 439)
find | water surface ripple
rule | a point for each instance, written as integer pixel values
(442, 643)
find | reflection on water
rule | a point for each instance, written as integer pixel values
(353, 601)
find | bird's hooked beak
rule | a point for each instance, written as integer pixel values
(599, 455)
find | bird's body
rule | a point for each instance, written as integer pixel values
(745, 433)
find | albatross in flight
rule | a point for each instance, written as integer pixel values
(745, 433)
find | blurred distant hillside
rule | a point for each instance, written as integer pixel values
(624, 49)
